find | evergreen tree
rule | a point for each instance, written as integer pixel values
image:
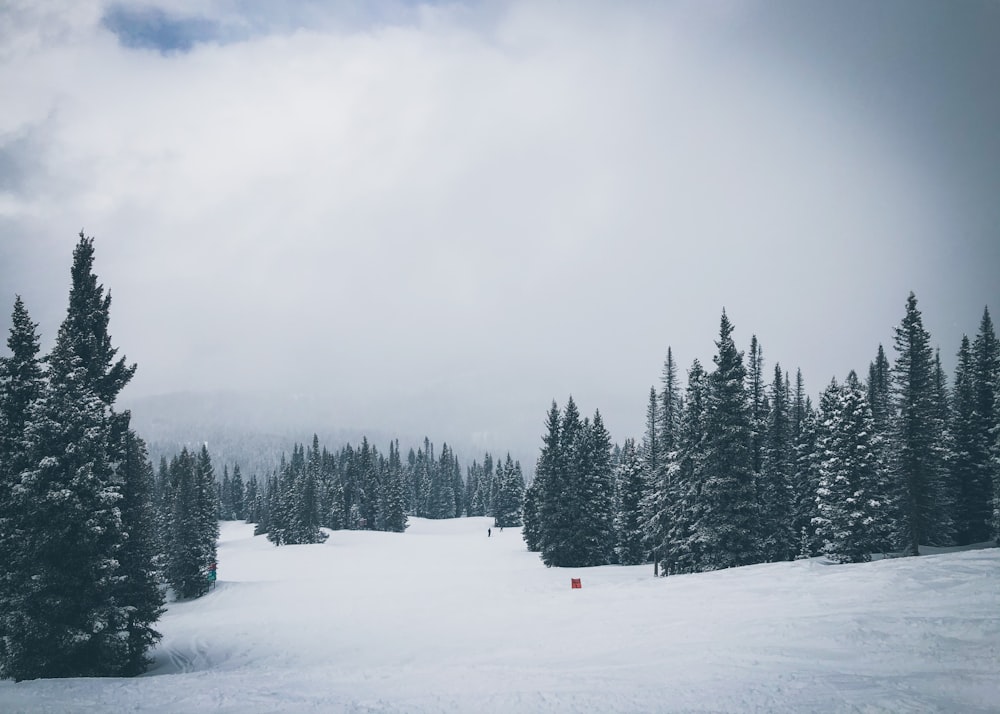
(880, 393)
(442, 487)
(226, 496)
(670, 411)
(163, 499)
(64, 620)
(758, 406)
(658, 493)
(474, 490)
(67, 618)
(944, 496)
(509, 495)
(779, 540)
(395, 511)
(531, 530)
(304, 498)
(207, 512)
(558, 500)
(916, 457)
(140, 578)
(630, 485)
(682, 551)
(728, 523)
(972, 490)
(238, 494)
(799, 398)
(805, 481)
(251, 500)
(185, 560)
(458, 488)
(986, 420)
(20, 386)
(850, 498)
(588, 518)
(651, 448)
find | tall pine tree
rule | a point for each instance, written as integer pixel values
(916, 460)
(728, 525)
(67, 618)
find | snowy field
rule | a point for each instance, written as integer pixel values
(444, 619)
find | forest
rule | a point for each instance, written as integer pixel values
(735, 467)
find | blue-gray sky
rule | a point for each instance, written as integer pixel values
(441, 216)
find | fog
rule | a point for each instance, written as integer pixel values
(437, 218)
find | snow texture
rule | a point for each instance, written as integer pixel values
(444, 619)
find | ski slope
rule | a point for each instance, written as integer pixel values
(443, 619)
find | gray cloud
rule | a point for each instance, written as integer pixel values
(449, 215)
(151, 27)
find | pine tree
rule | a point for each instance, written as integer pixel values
(474, 490)
(185, 557)
(652, 450)
(304, 497)
(442, 487)
(590, 534)
(630, 484)
(778, 539)
(140, 582)
(208, 511)
(21, 384)
(163, 500)
(915, 446)
(683, 552)
(251, 500)
(226, 496)
(238, 494)
(986, 421)
(670, 411)
(758, 406)
(531, 530)
(972, 492)
(395, 511)
(880, 393)
(559, 499)
(509, 496)
(805, 480)
(944, 490)
(728, 523)
(67, 618)
(850, 498)
(657, 497)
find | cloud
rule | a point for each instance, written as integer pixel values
(151, 27)
(448, 213)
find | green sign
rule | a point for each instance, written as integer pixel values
(211, 576)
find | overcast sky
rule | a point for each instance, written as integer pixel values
(443, 216)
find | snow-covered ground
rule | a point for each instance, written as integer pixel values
(443, 619)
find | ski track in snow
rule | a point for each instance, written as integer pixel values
(444, 619)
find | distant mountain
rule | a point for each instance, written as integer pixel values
(255, 429)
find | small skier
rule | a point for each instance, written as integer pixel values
(489, 532)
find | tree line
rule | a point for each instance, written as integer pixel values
(361, 488)
(743, 468)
